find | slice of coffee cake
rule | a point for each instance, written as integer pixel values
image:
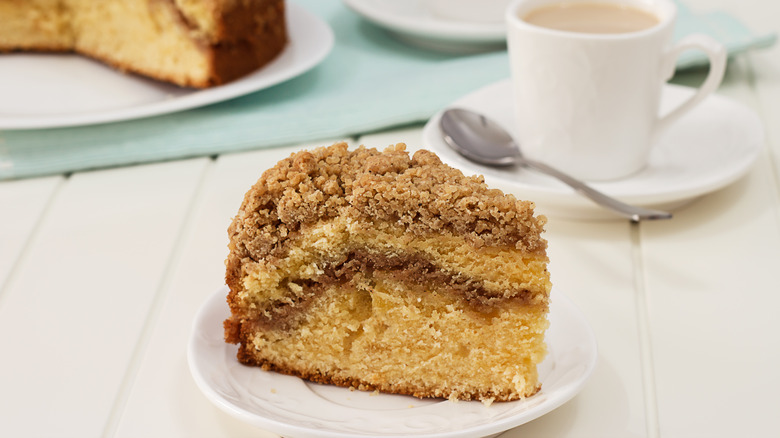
(379, 271)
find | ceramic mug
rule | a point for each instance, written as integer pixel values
(588, 103)
(475, 11)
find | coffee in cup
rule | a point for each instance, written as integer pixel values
(587, 86)
(591, 18)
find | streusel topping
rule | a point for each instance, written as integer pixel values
(420, 192)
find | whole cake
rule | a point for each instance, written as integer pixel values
(194, 43)
(381, 271)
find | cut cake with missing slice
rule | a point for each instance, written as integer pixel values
(191, 43)
(381, 271)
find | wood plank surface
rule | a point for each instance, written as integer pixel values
(70, 321)
(22, 205)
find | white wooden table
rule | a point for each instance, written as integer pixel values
(101, 273)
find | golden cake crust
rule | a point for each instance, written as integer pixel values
(256, 34)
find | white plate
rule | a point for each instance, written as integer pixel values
(58, 90)
(410, 20)
(296, 408)
(709, 148)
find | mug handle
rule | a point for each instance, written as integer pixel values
(716, 53)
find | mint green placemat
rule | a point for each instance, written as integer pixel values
(370, 81)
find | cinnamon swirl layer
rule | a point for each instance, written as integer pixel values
(333, 251)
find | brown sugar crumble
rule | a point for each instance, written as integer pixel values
(419, 191)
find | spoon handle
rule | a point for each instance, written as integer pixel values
(634, 213)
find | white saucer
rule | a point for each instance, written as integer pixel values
(709, 148)
(411, 21)
(57, 90)
(295, 408)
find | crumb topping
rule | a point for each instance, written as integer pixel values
(419, 191)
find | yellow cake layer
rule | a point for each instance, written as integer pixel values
(380, 334)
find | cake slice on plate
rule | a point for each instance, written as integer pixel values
(381, 271)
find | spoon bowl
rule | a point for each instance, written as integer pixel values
(484, 141)
(462, 129)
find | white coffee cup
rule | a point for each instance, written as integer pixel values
(588, 103)
(475, 11)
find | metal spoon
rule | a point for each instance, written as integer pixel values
(483, 141)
